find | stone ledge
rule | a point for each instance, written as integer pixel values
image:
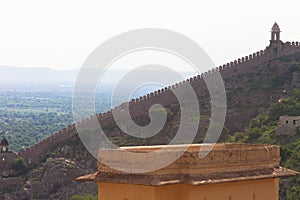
(159, 180)
(222, 157)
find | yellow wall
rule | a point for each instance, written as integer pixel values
(244, 190)
(111, 191)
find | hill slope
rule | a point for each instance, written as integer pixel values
(262, 129)
(252, 87)
(250, 90)
(54, 177)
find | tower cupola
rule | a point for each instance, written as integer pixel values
(275, 32)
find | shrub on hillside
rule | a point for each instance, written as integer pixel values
(84, 197)
(19, 164)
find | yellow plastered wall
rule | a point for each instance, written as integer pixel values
(112, 191)
(266, 189)
(244, 190)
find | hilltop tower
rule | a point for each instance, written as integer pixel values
(7, 158)
(275, 32)
(275, 43)
(4, 145)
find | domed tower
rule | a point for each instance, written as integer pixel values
(275, 33)
(276, 45)
(4, 145)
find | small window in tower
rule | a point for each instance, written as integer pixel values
(294, 121)
(286, 122)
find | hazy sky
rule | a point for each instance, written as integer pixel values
(61, 34)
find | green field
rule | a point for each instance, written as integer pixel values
(28, 117)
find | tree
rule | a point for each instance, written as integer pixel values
(84, 197)
(19, 164)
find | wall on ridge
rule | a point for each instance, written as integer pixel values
(37, 152)
(164, 96)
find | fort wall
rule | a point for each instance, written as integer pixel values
(288, 125)
(37, 152)
(163, 96)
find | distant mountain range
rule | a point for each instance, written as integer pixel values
(21, 78)
(10, 74)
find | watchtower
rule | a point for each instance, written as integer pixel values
(4, 145)
(275, 43)
(275, 32)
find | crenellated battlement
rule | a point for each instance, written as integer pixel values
(254, 58)
(38, 151)
(277, 48)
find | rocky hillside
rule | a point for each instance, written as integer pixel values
(250, 90)
(262, 130)
(55, 177)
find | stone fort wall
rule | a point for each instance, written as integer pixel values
(164, 96)
(288, 125)
(37, 152)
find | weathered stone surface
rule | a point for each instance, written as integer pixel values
(55, 178)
